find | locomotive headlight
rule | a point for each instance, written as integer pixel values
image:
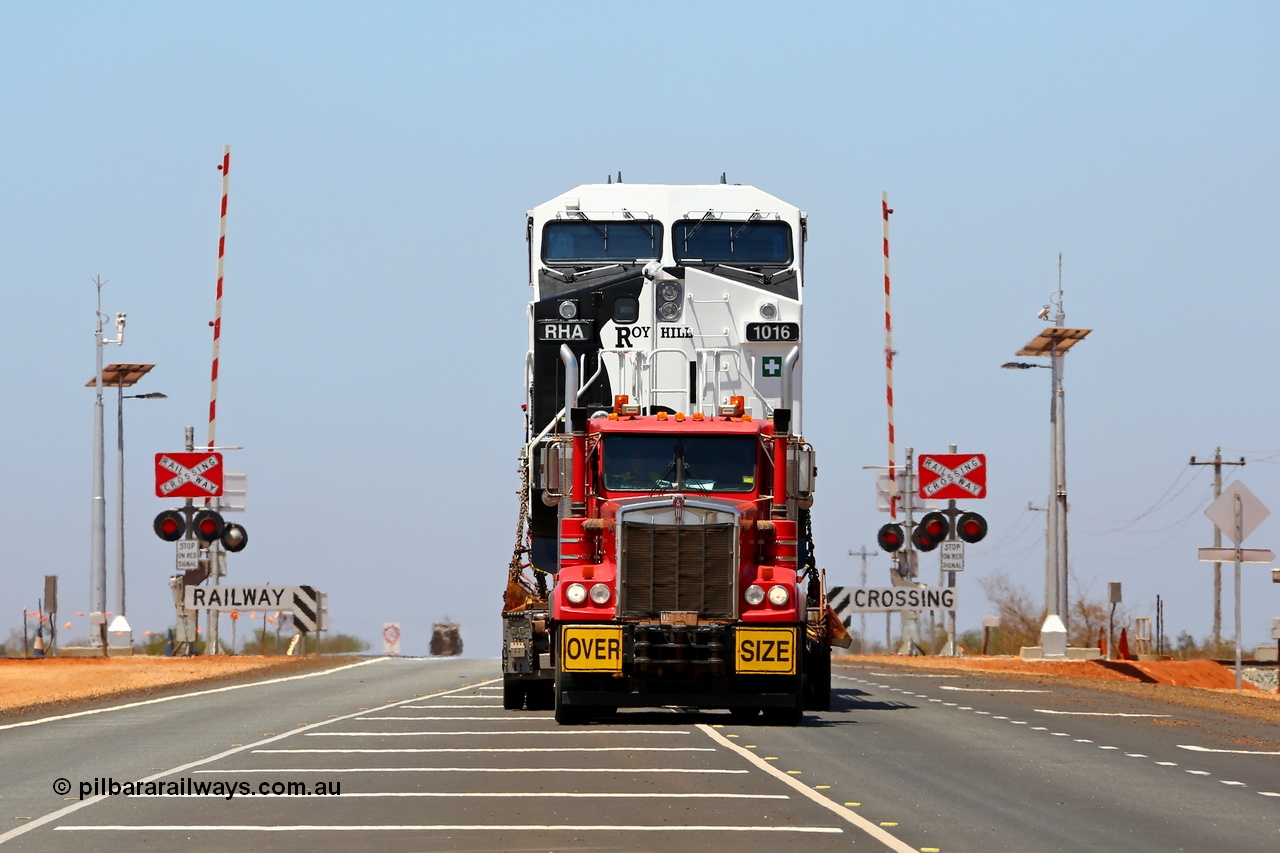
(600, 593)
(768, 310)
(754, 595)
(568, 310)
(778, 596)
(670, 297)
(576, 593)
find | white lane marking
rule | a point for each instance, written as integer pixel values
(521, 733)
(1229, 782)
(876, 832)
(342, 770)
(208, 692)
(990, 689)
(1083, 740)
(1198, 772)
(1269, 793)
(1194, 748)
(489, 706)
(618, 795)
(1061, 734)
(913, 675)
(999, 718)
(1018, 722)
(1039, 729)
(1108, 747)
(443, 827)
(1094, 713)
(1167, 763)
(62, 812)
(1135, 755)
(541, 718)
(490, 750)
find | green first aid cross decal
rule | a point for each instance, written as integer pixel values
(771, 366)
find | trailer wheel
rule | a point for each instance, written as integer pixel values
(817, 674)
(513, 693)
(744, 714)
(785, 716)
(567, 715)
(541, 696)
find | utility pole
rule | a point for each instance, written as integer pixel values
(1217, 464)
(862, 582)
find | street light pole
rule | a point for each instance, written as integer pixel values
(98, 526)
(121, 376)
(121, 623)
(1054, 342)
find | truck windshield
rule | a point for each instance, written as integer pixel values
(751, 243)
(586, 241)
(658, 463)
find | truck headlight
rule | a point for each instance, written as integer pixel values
(778, 596)
(576, 593)
(600, 593)
(754, 595)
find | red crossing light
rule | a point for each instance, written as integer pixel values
(890, 537)
(208, 526)
(170, 525)
(971, 527)
(931, 530)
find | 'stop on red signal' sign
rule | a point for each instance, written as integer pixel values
(189, 475)
(952, 475)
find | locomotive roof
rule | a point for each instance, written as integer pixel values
(667, 202)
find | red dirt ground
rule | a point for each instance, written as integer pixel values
(1196, 683)
(26, 684)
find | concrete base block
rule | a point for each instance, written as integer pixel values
(1072, 653)
(1266, 653)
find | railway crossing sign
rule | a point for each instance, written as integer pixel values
(189, 475)
(952, 475)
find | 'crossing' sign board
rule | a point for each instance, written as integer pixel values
(946, 476)
(188, 475)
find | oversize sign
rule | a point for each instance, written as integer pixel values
(590, 649)
(765, 650)
(897, 598)
(947, 476)
(188, 475)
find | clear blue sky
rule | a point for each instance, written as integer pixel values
(383, 157)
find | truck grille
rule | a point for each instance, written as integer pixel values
(687, 567)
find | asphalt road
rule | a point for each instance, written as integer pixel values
(419, 755)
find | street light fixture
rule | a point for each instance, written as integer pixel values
(120, 376)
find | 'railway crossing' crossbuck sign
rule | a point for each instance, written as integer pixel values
(188, 475)
(953, 475)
